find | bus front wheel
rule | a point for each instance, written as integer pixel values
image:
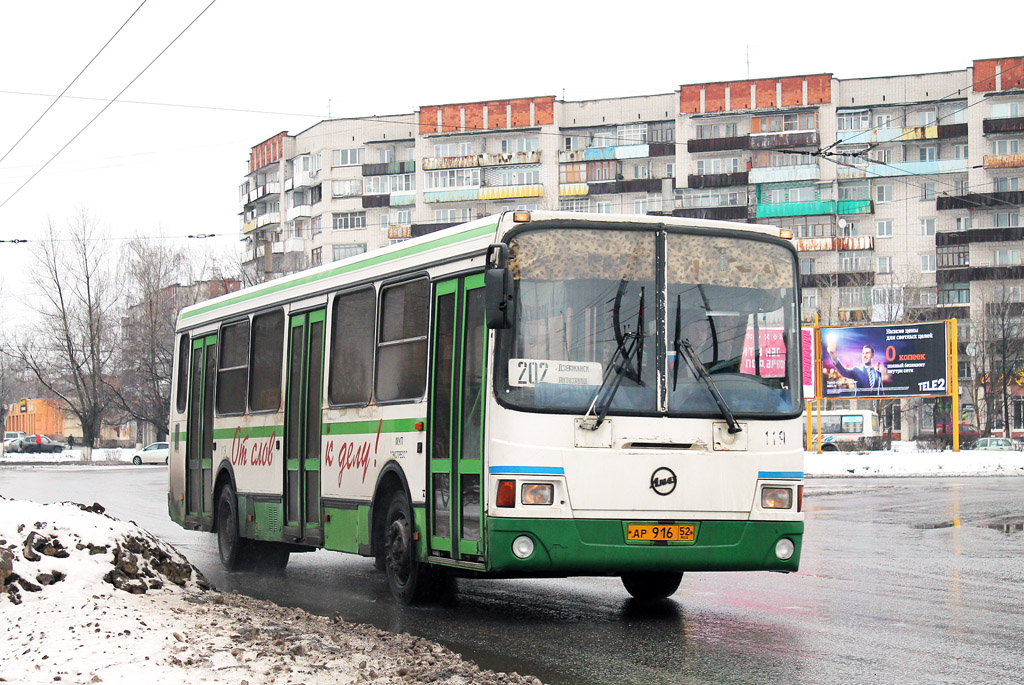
(233, 548)
(409, 580)
(651, 584)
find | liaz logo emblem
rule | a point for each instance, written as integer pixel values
(663, 481)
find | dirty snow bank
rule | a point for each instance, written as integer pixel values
(906, 459)
(87, 598)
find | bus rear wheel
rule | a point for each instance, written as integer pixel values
(651, 584)
(410, 581)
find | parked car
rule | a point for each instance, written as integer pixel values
(29, 444)
(10, 446)
(968, 433)
(10, 435)
(154, 453)
(993, 444)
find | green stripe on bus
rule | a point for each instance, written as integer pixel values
(250, 431)
(361, 264)
(358, 427)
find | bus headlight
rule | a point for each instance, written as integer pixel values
(784, 548)
(538, 493)
(776, 498)
(522, 546)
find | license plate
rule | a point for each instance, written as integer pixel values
(660, 532)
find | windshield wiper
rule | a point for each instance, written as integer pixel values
(684, 349)
(628, 345)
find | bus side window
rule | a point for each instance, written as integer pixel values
(351, 372)
(184, 350)
(267, 356)
(233, 370)
(402, 350)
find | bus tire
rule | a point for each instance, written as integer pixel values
(232, 547)
(651, 584)
(410, 581)
(829, 447)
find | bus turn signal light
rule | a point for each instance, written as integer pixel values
(520, 217)
(786, 233)
(506, 493)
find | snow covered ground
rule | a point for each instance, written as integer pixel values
(86, 598)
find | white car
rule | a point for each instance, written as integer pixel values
(155, 453)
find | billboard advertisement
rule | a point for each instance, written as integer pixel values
(901, 360)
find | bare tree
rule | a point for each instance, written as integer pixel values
(71, 350)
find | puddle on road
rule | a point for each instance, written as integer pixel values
(1004, 527)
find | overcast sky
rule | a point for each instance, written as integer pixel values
(248, 69)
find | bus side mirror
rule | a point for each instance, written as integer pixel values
(498, 286)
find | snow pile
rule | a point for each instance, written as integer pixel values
(114, 455)
(87, 598)
(906, 459)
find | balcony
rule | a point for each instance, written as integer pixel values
(268, 219)
(1008, 234)
(453, 195)
(782, 174)
(1003, 161)
(738, 178)
(722, 213)
(761, 141)
(248, 226)
(638, 185)
(998, 200)
(425, 229)
(843, 279)
(303, 179)
(1004, 125)
(870, 136)
(596, 154)
(849, 243)
(402, 199)
(813, 208)
(399, 232)
(464, 162)
(718, 144)
(572, 189)
(377, 200)
(507, 158)
(939, 166)
(298, 211)
(273, 188)
(511, 192)
(388, 168)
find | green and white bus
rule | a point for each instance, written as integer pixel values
(535, 394)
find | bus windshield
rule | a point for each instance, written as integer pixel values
(587, 303)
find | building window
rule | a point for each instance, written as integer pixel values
(885, 265)
(449, 216)
(346, 188)
(927, 226)
(927, 191)
(316, 257)
(670, 170)
(807, 265)
(926, 297)
(641, 171)
(927, 263)
(1009, 146)
(855, 297)
(960, 151)
(347, 250)
(809, 300)
(926, 154)
(347, 157)
(954, 293)
(883, 229)
(728, 165)
(607, 170)
(705, 131)
(604, 207)
(1007, 219)
(1006, 257)
(640, 206)
(570, 143)
(1005, 110)
(963, 223)
(631, 134)
(853, 121)
(1003, 184)
(953, 255)
(453, 178)
(883, 120)
(575, 204)
(854, 191)
(851, 262)
(883, 193)
(347, 220)
(881, 156)
(779, 123)
(572, 173)
(662, 132)
(849, 231)
(316, 225)
(926, 117)
(384, 156)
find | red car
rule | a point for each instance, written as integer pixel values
(968, 432)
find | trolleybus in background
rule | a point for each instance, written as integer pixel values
(846, 429)
(530, 394)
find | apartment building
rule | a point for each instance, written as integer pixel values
(903, 192)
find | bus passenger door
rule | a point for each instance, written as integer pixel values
(302, 427)
(199, 429)
(456, 419)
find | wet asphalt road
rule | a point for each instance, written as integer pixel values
(903, 580)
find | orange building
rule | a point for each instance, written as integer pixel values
(41, 416)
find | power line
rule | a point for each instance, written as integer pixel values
(105, 107)
(67, 87)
